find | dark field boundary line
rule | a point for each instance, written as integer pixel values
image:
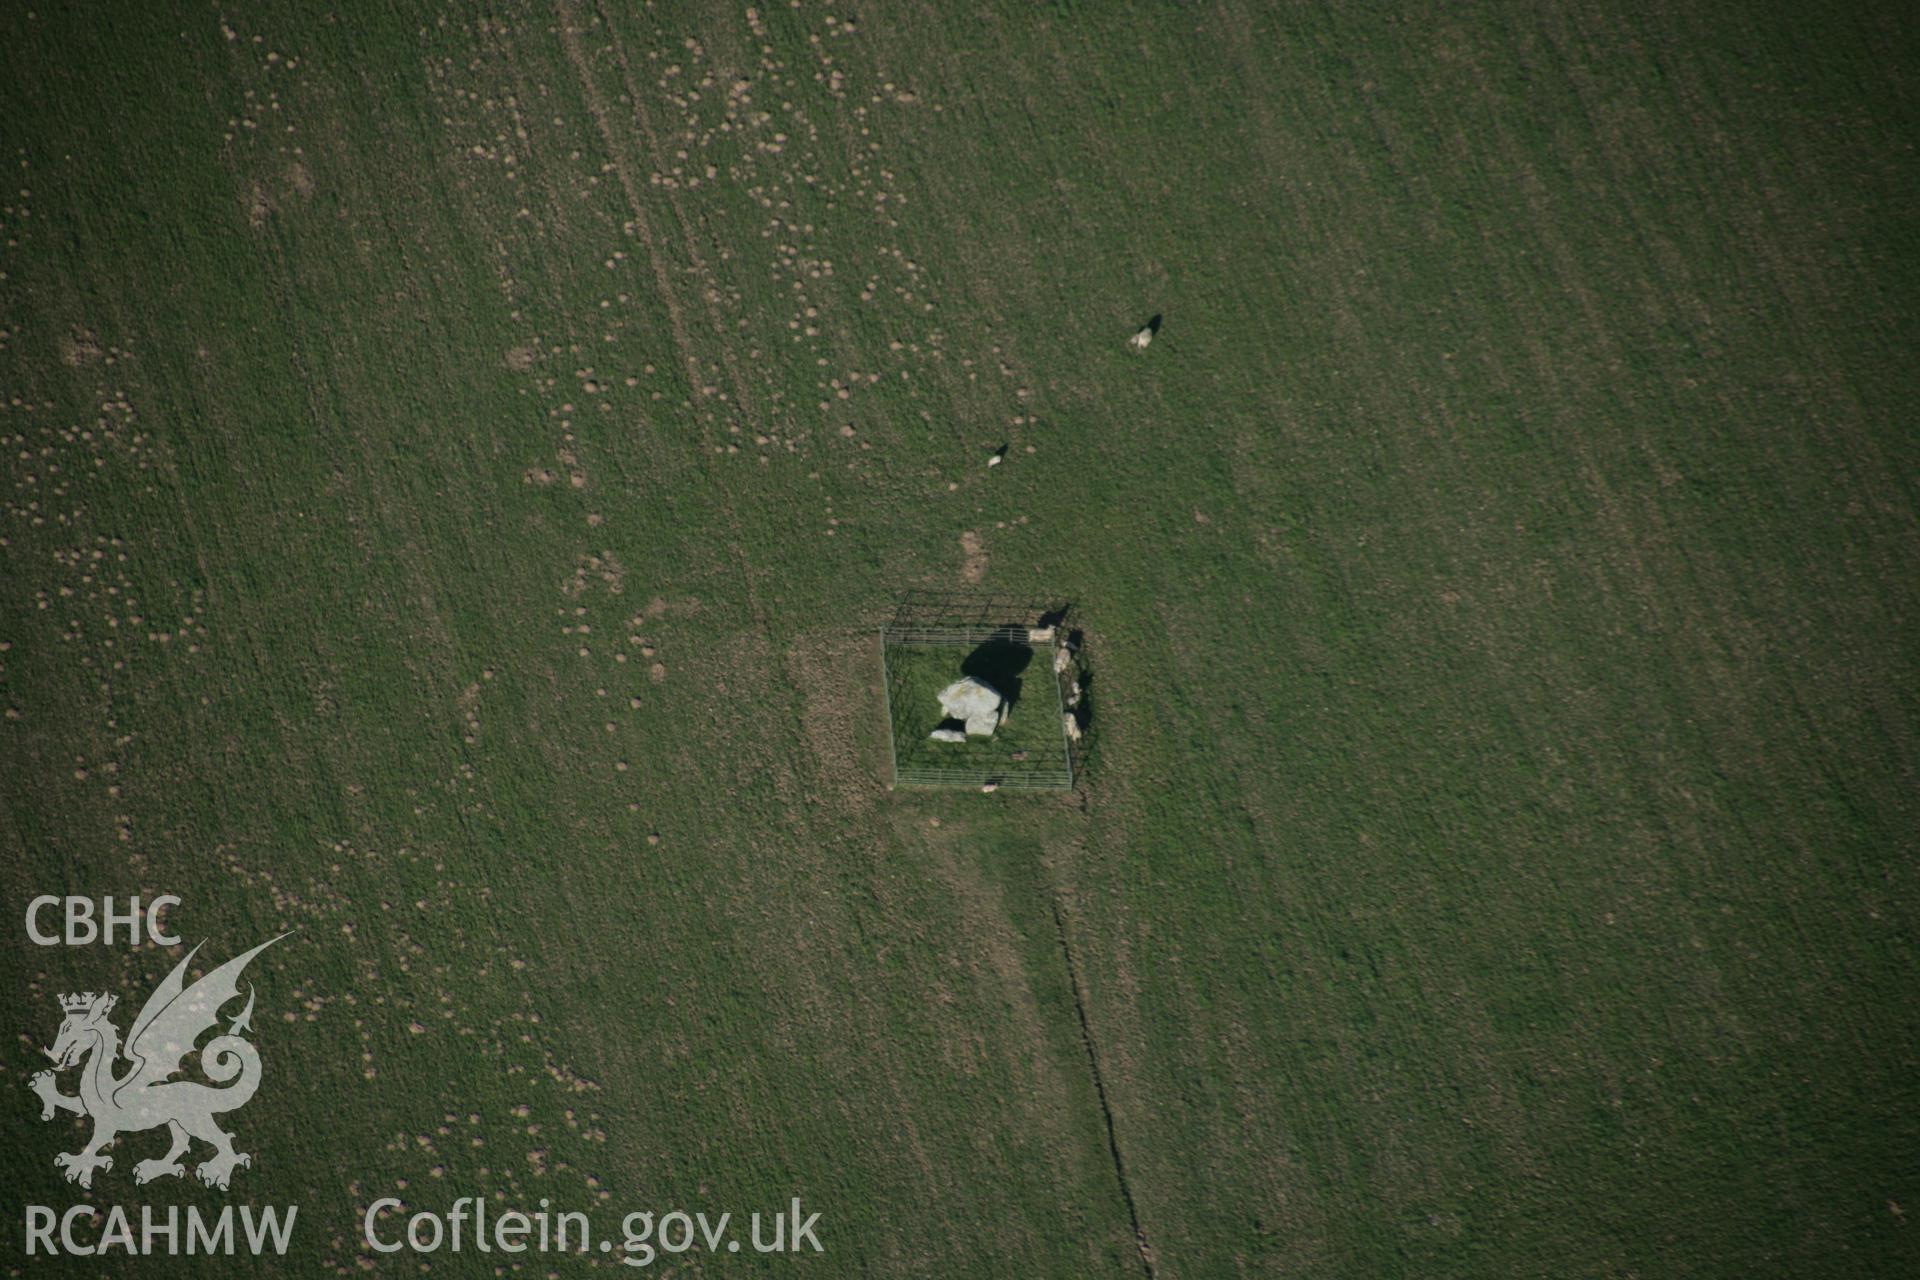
(1100, 1092)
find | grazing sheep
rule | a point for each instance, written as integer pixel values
(1140, 340)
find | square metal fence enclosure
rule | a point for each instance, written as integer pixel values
(1011, 643)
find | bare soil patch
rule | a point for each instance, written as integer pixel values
(835, 675)
(81, 347)
(259, 205)
(973, 552)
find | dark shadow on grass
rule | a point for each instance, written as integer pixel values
(999, 663)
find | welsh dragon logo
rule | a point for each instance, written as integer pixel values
(147, 1095)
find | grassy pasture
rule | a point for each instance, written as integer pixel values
(456, 462)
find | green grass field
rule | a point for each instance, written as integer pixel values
(457, 465)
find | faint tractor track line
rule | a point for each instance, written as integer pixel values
(1100, 1091)
(570, 29)
(702, 272)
